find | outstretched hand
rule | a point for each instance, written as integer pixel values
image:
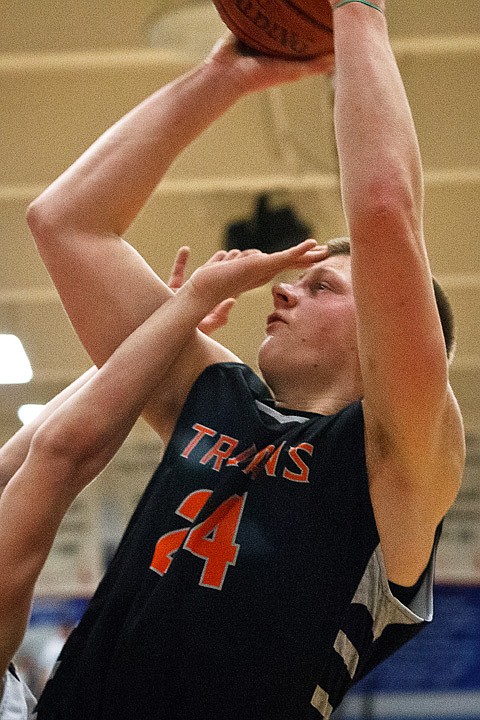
(216, 318)
(230, 274)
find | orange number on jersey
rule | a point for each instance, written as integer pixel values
(166, 548)
(213, 540)
(169, 543)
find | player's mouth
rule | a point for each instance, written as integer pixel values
(275, 318)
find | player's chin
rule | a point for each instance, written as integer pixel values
(269, 356)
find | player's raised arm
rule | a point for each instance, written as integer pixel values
(414, 432)
(106, 287)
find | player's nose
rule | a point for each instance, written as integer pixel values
(284, 295)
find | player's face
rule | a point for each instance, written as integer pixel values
(313, 324)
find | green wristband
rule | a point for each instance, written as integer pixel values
(364, 2)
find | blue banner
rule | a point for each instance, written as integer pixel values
(56, 611)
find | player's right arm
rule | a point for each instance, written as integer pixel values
(106, 287)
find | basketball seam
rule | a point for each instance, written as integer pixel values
(255, 43)
(261, 47)
(307, 17)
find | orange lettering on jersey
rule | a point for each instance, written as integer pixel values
(202, 430)
(302, 476)
(218, 453)
(271, 465)
(243, 457)
(259, 460)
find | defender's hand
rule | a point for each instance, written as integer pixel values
(238, 271)
(218, 317)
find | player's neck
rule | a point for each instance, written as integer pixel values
(326, 399)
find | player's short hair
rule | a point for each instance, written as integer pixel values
(341, 246)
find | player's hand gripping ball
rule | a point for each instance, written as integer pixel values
(289, 29)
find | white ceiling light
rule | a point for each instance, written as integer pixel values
(14, 364)
(191, 29)
(27, 413)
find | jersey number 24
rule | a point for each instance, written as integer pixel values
(213, 540)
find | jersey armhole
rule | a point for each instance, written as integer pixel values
(406, 593)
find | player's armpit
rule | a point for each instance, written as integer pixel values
(411, 492)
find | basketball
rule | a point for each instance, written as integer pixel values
(290, 29)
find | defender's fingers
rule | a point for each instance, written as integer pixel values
(177, 275)
(232, 254)
(317, 253)
(216, 257)
(222, 310)
(323, 250)
(251, 251)
(218, 317)
(309, 245)
(305, 252)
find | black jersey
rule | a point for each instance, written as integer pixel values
(249, 582)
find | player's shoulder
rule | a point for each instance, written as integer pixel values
(231, 376)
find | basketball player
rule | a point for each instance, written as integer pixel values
(286, 543)
(49, 461)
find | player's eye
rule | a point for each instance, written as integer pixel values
(315, 286)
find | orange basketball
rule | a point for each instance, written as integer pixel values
(291, 29)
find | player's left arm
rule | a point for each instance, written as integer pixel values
(414, 433)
